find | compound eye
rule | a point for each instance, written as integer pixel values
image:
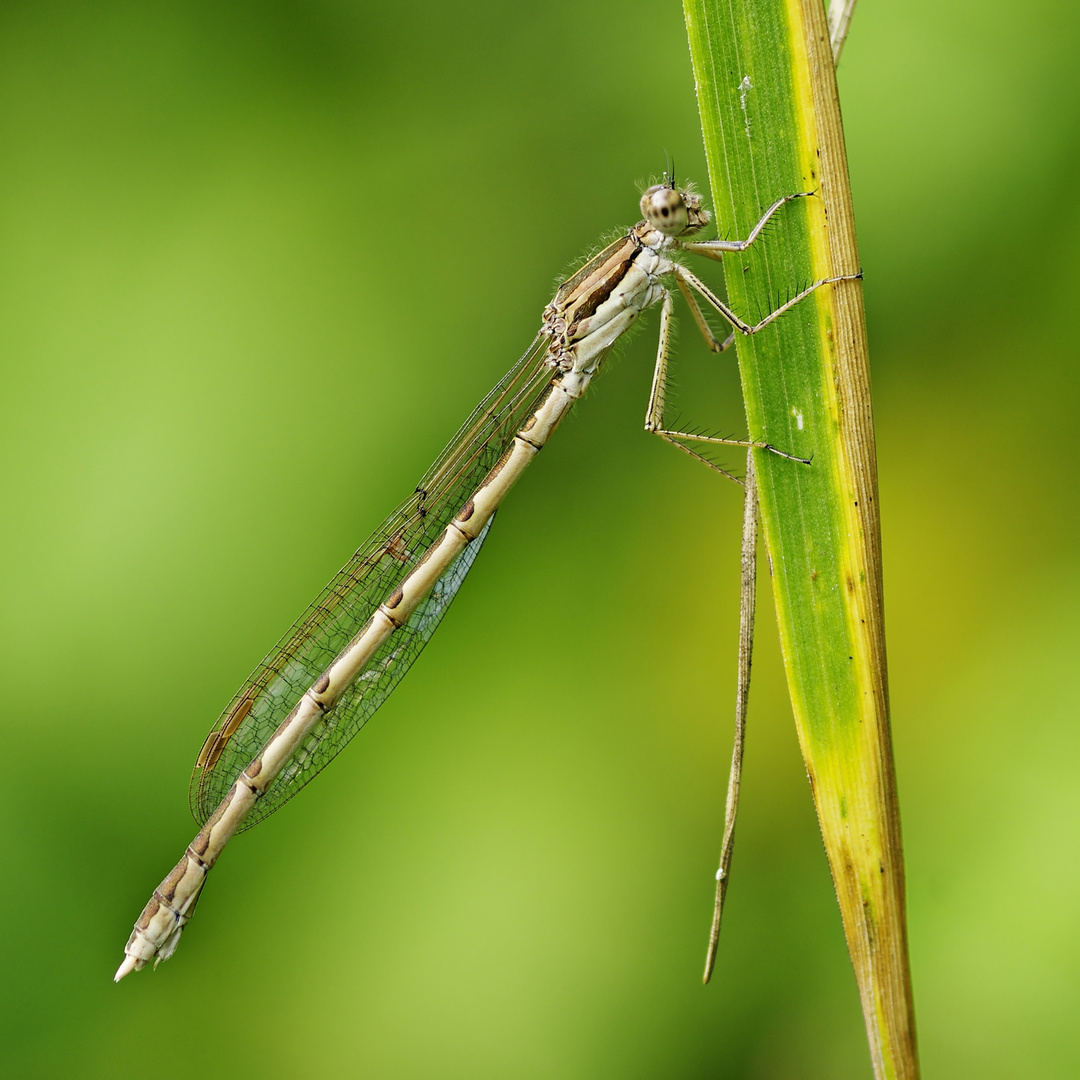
(665, 210)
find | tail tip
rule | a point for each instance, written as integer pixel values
(129, 965)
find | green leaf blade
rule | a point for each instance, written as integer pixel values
(770, 119)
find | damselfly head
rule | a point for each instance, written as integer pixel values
(673, 212)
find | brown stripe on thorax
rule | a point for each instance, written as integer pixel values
(592, 290)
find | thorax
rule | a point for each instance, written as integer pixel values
(595, 306)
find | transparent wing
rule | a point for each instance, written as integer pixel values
(351, 598)
(371, 688)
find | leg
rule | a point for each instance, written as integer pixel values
(683, 275)
(655, 411)
(711, 339)
(742, 692)
(714, 249)
(654, 414)
(671, 436)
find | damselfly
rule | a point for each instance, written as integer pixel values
(349, 650)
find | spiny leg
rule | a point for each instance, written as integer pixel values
(748, 580)
(688, 280)
(714, 249)
(654, 414)
(711, 339)
(655, 411)
(654, 419)
(684, 276)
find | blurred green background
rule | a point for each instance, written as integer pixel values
(259, 260)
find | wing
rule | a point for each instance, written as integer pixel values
(351, 598)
